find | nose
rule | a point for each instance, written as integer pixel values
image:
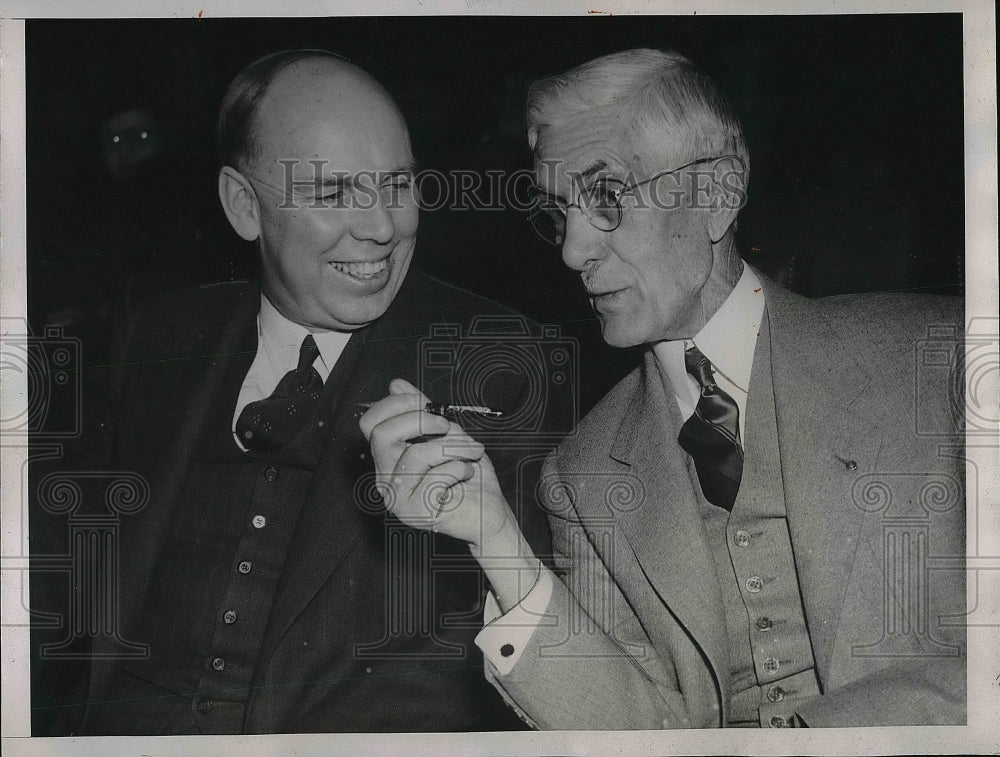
(374, 223)
(583, 245)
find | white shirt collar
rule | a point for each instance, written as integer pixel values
(728, 339)
(730, 336)
(282, 341)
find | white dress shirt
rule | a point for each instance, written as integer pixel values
(728, 340)
(279, 341)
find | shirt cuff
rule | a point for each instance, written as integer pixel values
(506, 635)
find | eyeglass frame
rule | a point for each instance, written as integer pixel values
(617, 194)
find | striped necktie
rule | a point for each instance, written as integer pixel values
(712, 435)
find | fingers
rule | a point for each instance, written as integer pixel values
(442, 478)
(439, 493)
(419, 461)
(387, 407)
(402, 386)
(423, 463)
(404, 462)
(443, 487)
(400, 417)
(399, 429)
(416, 459)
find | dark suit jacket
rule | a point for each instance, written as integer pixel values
(871, 464)
(163, 384)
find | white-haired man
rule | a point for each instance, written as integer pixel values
(741, 527)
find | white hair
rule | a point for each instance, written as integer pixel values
(670, 106)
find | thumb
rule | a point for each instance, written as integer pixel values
(402, 386)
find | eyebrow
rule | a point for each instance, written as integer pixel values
(583, 176)
(593, 168)
(336, 181)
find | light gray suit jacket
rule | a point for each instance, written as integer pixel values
(871, 452)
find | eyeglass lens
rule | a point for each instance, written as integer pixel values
(598, 203)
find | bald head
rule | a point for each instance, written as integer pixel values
(310, 99)
(278, 85)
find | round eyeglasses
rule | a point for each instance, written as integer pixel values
(600, 203)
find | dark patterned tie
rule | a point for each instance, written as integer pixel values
(712, 435)
(269, 424)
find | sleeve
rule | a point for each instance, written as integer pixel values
(575, 671)
(505, 636)
(916, 692)
(59, 684)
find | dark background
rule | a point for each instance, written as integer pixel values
(855, 128)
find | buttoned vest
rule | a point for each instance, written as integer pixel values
(216, 580)
(771, 660)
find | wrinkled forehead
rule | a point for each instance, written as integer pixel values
(585, 147)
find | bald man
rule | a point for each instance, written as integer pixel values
(271, 589)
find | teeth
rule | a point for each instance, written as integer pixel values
(361, 270)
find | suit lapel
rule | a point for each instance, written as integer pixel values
(824, 448)
(331, 522)
(665, 530)
(341, 503)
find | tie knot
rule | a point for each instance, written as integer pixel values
(308, 353)
(699, 366)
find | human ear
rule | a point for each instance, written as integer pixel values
(239, 203)
(728, 195)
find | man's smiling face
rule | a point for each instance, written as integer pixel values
(645, 278)
(333, 253)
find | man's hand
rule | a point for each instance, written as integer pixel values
(433, 476)
(442, 482)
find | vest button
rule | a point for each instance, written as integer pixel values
(770, 665)
(271, 474)
(775, 694)
(229, 617)
(507, 650)
(764, 624)
(742, 539)
(245, 567)
(204, 706)
(778, 722)
(754, 584)
(259, 521)
(218, 664)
